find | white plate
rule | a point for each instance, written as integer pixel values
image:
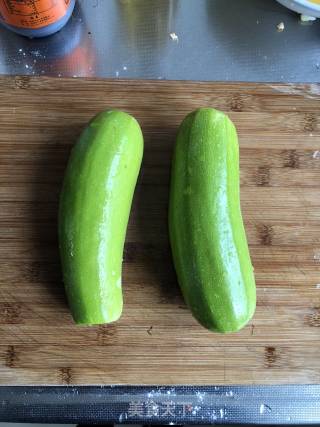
(305, 7)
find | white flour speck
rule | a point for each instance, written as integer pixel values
(200, 395)
(264, 408)
(174, 37)
(36, 53)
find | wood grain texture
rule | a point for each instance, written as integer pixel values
(157, 341)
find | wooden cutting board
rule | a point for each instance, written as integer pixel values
(157, 341)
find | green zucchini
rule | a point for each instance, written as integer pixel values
(207, 235)
(95, 204)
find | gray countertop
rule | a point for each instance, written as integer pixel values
(241, 405)
(235, 40)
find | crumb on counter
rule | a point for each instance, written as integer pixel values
(174, 37)
(280, 27)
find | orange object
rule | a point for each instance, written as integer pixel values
(33, 14)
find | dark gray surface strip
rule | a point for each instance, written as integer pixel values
(162, 405)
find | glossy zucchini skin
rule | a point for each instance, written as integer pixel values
(94, 210)
(207, 235)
